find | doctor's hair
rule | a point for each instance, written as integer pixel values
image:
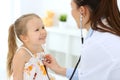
(100, 9)
(15, 31)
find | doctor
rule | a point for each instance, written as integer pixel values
(100, 57)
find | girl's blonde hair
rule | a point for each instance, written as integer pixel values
(15, 30)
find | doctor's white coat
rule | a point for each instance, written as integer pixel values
(100, 57)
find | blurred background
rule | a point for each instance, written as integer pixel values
(63, 40)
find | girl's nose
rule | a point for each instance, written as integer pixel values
(43, 32)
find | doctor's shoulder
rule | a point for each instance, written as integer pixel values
(104, 37)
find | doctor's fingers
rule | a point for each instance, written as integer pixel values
(53, 65)
(49, 58)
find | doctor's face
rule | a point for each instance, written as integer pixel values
(75, 12)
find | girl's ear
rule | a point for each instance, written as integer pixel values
(23, 38)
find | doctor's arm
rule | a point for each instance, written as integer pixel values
(51, 62)
(69, 72)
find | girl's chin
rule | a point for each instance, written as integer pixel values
(42, 42)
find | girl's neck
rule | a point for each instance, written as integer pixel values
(34, 49)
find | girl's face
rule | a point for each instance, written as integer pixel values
(36, 33)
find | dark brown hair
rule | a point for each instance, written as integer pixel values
(100, 9)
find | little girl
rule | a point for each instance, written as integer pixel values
(25, 62)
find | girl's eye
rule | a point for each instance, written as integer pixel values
(43, 27)
(37, 30)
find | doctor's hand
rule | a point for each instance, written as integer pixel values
(51, 63)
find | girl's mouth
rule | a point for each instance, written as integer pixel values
(42, 38)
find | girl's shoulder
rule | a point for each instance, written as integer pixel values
(21, 55)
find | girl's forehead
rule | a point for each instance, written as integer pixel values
(34, 22)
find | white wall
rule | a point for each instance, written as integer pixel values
(4, 24)
(119, 4)
(41, 6)
(58, 6)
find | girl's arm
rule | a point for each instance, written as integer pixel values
(18, 65)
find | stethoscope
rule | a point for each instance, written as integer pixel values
(82, 41)
(42, 58)
(89, 34)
